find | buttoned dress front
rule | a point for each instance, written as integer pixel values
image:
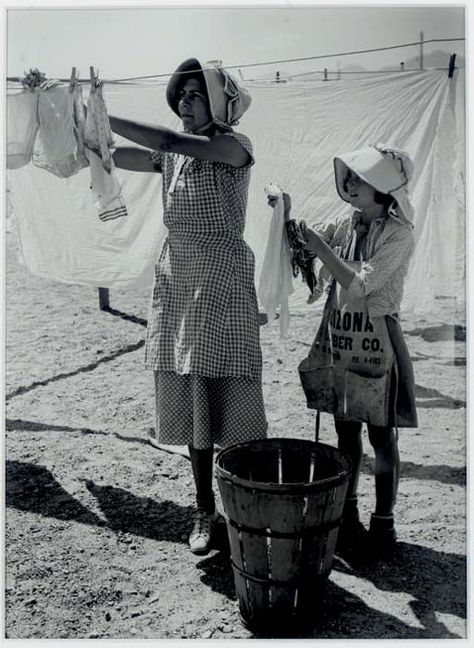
(203, 332)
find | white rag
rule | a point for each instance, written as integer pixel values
(276, 278)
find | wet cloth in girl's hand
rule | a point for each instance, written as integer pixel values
(276, 284)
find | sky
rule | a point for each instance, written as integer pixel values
(124, 42)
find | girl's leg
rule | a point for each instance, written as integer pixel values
(349, 440)
(206, 515)
(387, 468)
(351, 530)
(382, 533)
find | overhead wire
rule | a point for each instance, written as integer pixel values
(128, 80)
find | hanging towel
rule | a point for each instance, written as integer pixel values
(276, 283)
(56, 146)
(105, 187)
(22, 127)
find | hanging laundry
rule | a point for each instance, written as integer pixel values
(105, 187)
(56, 148)
(22, 127)
(98, 133)
(79, 119)
(276, 283)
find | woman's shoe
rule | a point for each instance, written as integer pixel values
(201, 535)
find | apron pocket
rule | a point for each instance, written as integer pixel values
(367, 398)
(318, 385)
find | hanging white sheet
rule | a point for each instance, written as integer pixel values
(297, 128)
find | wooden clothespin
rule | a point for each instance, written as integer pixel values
(72, 80)
(94, 78)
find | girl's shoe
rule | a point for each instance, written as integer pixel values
(381, 537)
(352, 533)
(201, 535)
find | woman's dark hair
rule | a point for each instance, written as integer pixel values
(197, 74)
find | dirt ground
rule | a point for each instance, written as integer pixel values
(97, 519)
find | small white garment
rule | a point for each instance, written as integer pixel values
(79, 119)
(276, 278)
(105, 187)
(98, 133)
(22, 127)
(56, 147)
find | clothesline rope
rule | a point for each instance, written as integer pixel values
(267, 79)
(276, 62)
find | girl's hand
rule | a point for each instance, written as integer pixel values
(272, 201)
(313, 241)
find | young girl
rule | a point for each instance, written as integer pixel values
(203, 330)
(367, 254)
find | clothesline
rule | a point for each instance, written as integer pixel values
(276, 62)
(289, 77)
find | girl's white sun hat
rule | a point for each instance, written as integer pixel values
(386, 169)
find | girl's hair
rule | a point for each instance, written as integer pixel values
(385, 199)
(380, 198)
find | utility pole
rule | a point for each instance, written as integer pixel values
(421, 50)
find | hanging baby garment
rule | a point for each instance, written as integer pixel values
(105, 187)
(79, 120)
(22, 127)
(98, 133)
(56, 149)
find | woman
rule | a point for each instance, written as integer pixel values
(203, 331)
(359, 362)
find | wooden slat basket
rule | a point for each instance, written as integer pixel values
(283, 501)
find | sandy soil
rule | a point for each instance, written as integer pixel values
(97, 519)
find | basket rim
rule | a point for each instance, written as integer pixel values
(293, 488)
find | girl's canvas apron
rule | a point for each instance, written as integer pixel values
(348, 370)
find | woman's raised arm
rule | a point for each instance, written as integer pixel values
(134, 159)
(219, 148)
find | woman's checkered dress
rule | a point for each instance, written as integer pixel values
(203, 332)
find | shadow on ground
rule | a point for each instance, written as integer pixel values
(34, 489)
